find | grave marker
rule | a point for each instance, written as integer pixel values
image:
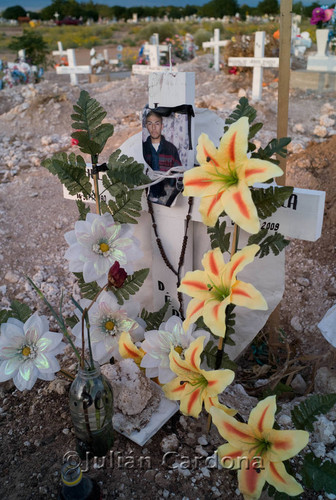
(258, 62)
(60, 52)
(300, 217)
(153, 51)
(72, 69)
(215, 43)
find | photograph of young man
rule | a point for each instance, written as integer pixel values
(162, 155)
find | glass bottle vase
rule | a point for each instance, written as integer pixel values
(91, 408)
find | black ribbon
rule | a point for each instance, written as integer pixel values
(99, 168)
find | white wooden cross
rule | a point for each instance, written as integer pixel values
(301, 217)
(215, 43)
(258, 62)
(72, 69)
(153, 51)
(60, 52)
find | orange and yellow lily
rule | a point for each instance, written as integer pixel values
(192, 385)
(216, 287)
(128, 349)
(258, 451)
(223, 178)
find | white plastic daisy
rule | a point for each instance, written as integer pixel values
(98, 242)
(108, 320)
(158, 343)
(28, 350)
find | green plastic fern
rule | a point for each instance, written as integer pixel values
(154, 319)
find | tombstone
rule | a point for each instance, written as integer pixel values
(22, 55)
(72, 69)
(300, 217)
(322, 61)
(215, 43)
(258, 62)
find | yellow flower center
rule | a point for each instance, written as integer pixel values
(26, 351)
(109, 325)
(178, 349)
(104, 247)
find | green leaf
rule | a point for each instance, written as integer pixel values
(275, 242)
(306, 412)
(126, 170)
(268, 200)
(113, 185)
(154, 319)
(218, 237)
(72, 321)
(210, 354)
(82, 209)
(318, 476)
(125, 207)
(88, 290)
(275, 146)
(91, 133)
(242, 109)
(254, 129)
(71, 171)
(85, 144)
(5, 314)
(131, 285)
(278, 390)
(230, 321)
(89, 113)
(102, 133)
(20, 311)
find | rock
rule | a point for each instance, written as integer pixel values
(331, 291)
(320, 131)
(236, 397)
(284, 420)
(318, 449)
(325, 430)
(131, 391)
(295, 147)
(327, 325)
(299, 385)
(136, 398)
(298, 127)
(201, 451)
(296, 324)
(241, 93)
(303, 163)
(325, 381)
(59, 386)
(303, 281)
(326, 121)
(169, 443)
(11, 277)
(202, 440)
(205, 471)
(162, 481)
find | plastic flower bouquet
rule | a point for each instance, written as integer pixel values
(321, 17)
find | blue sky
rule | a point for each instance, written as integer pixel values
(39, 4)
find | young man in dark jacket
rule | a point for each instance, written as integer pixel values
(159, 154)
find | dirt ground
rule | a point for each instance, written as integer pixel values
(36, 429)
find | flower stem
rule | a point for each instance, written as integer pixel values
(85, 318)
(220, 348)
